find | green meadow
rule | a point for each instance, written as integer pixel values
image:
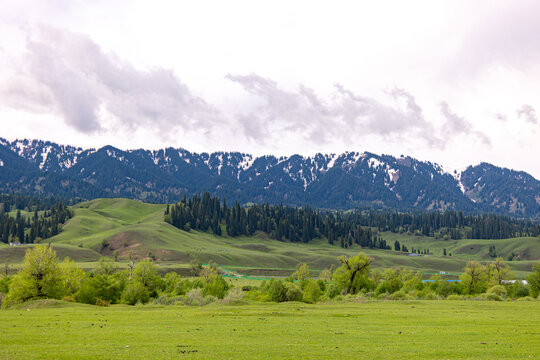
(363, 330)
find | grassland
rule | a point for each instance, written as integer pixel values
(104, 226)
(373, 330)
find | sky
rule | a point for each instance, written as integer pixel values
(453, 82)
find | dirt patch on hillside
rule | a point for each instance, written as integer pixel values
(254, 247)
(125, 243)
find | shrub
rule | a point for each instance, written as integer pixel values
(194, 297)
(210, 299)
(217, 287)
(498, 290)
(526, 298)
(293, 292)
(493, 297)
(430, 296)
(69, 299)
(101, 286)
(312, 292)
(277, 290)
(258, 295)
(398, 295)
(520, 290)
(247, 288)
(454, 297)
(101, 302)
(4, 284)
(332, 291)
(164, 300)
(134, 293)
(235, 296)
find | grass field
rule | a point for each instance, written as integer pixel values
(132, 227)
(370, 330)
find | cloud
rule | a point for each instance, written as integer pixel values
(345, 116)
(528, 113)
(455, 125)
(69, 74)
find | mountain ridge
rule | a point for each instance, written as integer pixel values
(334, 181)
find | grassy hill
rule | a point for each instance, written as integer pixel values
(105, 226)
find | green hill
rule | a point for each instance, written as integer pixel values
(128, 227)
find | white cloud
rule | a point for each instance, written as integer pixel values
(528, 113)
(69, 74)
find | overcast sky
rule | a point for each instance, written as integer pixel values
(454, 82)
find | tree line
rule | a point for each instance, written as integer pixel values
(449, 224)
(43, 276)
(30, 229)
(206, 213)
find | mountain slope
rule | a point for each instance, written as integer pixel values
(335, 181)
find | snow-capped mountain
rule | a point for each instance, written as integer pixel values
(337, 181)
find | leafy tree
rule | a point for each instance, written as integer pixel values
(498, 271)
(145, 273)
(312, 292)
(40, 277)
(106, 266)
(474, 279)
(72, 276)
(534, 280)
(326, 274)
(348, 276)
(302, 273)
(101, 287)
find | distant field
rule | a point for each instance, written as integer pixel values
(370, 330)
(104, 226)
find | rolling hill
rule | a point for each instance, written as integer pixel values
(103, 227)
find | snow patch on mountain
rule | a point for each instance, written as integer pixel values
(44, 155)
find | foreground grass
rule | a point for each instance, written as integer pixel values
(374, 330)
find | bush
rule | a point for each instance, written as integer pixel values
(210, 299)
(430, 296)
(101, 286)
(4, 284)
(526, 298)
(293, 292)
(454, 297)
(398, 295)
(332, 291)
(134, 293)
(312, 292)
(101, 302)
(235, 296)
(258, 295)
(498, 290)
(277, 290)
(493, 297)
(218, 287)
(164, 300)
(194, 297)
(520, 290)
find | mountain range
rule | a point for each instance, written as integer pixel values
(333, 181)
